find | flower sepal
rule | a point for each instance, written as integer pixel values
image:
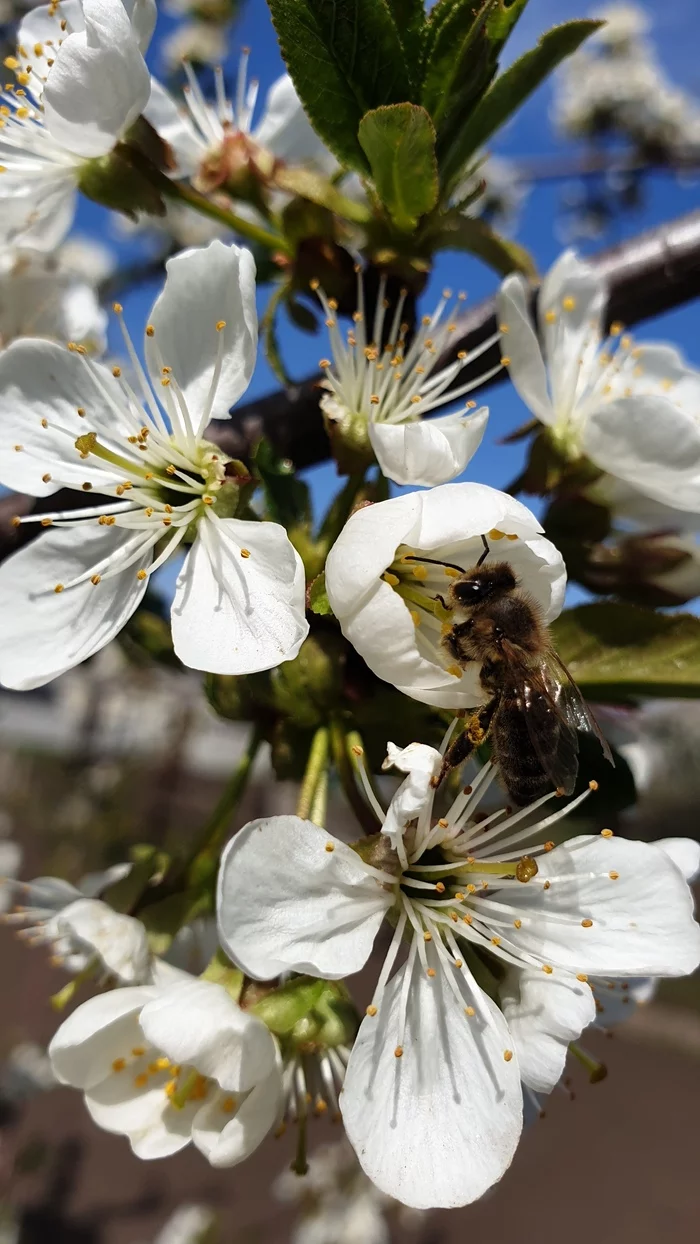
(289, 1008)
(116, 182)
(348, 433)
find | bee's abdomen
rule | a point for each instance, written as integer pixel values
(521, 767)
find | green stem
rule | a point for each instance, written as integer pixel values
(319, 803)
(339, 510)
(341, 758)
(316, 765)
(205, 854)
(596, 1071)
(203, 205)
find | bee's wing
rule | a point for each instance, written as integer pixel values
(541, 698)
(576, 710)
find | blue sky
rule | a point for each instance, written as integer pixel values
(528, 135)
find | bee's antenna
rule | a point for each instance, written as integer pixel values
(485, 553)
(432, 562)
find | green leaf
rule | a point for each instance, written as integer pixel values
(617, 652)
(345, 57)
(456, 69)
(409, 18)
(286, 497)
(399, 142)
(513, 87)
(467, 233)
(318, 597)
(502, 18)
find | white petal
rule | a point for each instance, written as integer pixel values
(43, 633)
(234, 614)
(99, 83)
(642, 917)
(574, 296)
(42, 26)
(196, 1022)
(544, 1013)
(647, 441)
(119, 940)
(204, 287)
(292, 898)
(144, 1113)
(40, 380)
(521, 346)
(285, 130)
(438, 1126)
(174, 125)
(422, 764)
(100, 1030)
(142, 14)
(430, 452)
(39, 218)
(685, 853)
(226, 1140)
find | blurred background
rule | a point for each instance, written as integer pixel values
(125, 748)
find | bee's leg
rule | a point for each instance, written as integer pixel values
(451, 642)
(485, 553)
(474, 734)
(442, 600)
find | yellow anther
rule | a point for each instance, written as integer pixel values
(549, 846)
(469, 1010)
(357, 750)
(11, 62)
(220, 325)
(170, 1088)
(119, 1064)
(416, 399)
(117, 308)
(96, 579)
(46, 478)
(518, 924)
(550, 317)
(510, 535)
(586, 924)
(415, 617)
(330, 846)
(392, 579)
(87, 486)
(419, 572)
(371, 1011)
(616, 328)
(374, 400)
(430, 972)
(458, 963)
(507, 1054)
(613, 875)
(546, 967)
(141, 574)
(592, 785)
(16, 521)
(606, 833)
(150, 330)
(47, 522)
(581, 976)
(116, 372)
(18, 449)
(495, 534)
(451, 573)
(455, 671)
(495, 941)
(440, 887)
(141, 1080)
(80, 410)
(245, 552)
(228, 1105)
(58, 588)
(427, 937)
(467, 919)
(546, 885)
(398, 1052)
(505, 360)
(568, 303)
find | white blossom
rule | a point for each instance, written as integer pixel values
(385, 392)
(386, 598)
(166, 1066)
(632, 409)
(213, 141)
(81, 81)
(80, 928)
(70, 422)
(41, 297)
(433, 1073)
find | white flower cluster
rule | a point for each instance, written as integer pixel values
(502, 945)
(614, 85)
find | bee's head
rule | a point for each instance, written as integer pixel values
(484, 583)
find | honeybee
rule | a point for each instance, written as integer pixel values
(534, 707)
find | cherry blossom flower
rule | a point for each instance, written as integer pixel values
(632, 409)
(379, 396)
(41, 297)
(170, 1066)
(434, 1069)
(70, 422)
(387, 600)
(81, 81)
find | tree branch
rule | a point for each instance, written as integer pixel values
(649, 274)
